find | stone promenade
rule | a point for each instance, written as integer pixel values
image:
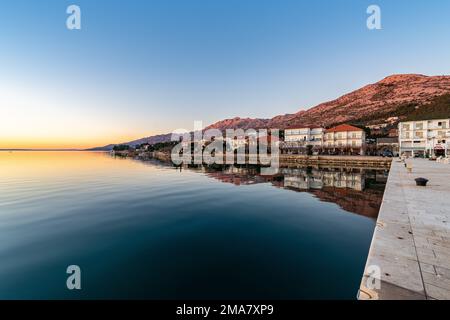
(411, 243)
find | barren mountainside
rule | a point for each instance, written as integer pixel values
(371, 103)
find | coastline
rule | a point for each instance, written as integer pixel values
(369, 162)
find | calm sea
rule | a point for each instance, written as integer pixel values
(147, 230)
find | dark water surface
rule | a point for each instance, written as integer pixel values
(145, 230)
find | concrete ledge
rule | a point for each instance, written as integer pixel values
(342, 161)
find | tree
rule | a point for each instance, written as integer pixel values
(309, 150)
(121, 147)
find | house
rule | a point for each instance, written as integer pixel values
(298, 138)
(306, 135)
(424, 137)
(388, 144)
(393, 133)
(345, 139)
(235, 143)
(392, 120)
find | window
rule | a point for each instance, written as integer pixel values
(440, 124)
(354, 135)
(419, 135)
(419, 126)
(405, 127)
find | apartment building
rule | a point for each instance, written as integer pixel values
(345, 139)
(296, 139)
(305, 135)
(425, 137)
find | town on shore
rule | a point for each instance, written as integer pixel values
(424, 138)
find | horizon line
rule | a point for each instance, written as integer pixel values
(43, 149)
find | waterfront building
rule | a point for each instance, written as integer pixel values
(306, 135)
(425, 137)
(344, 139)
(298, 138)
(236, 143)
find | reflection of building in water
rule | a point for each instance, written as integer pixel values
(244, 176)
(300, 179)
(366, 203)
(316, 179)
(346, 188)
(344, 180)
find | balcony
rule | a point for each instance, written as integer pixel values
(413, 145)
(444, 126)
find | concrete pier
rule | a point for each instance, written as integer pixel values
(366, 162)
(410, 250)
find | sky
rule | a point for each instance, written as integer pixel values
(138, 68)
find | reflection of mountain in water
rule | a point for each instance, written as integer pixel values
(355, 190)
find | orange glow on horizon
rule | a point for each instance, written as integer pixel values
(64, 142)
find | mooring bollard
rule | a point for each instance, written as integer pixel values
(421, 182)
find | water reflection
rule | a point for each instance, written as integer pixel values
(356, 190)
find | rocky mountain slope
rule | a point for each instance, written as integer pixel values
(370, 104)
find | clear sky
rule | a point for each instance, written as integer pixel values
(138, 68)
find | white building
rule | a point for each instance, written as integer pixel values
(430, 137)
(236, 143)
(298, 139)
(305, 135)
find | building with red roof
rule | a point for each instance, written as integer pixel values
(344, 128)
(345, 139)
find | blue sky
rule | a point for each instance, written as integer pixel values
(138, 68)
